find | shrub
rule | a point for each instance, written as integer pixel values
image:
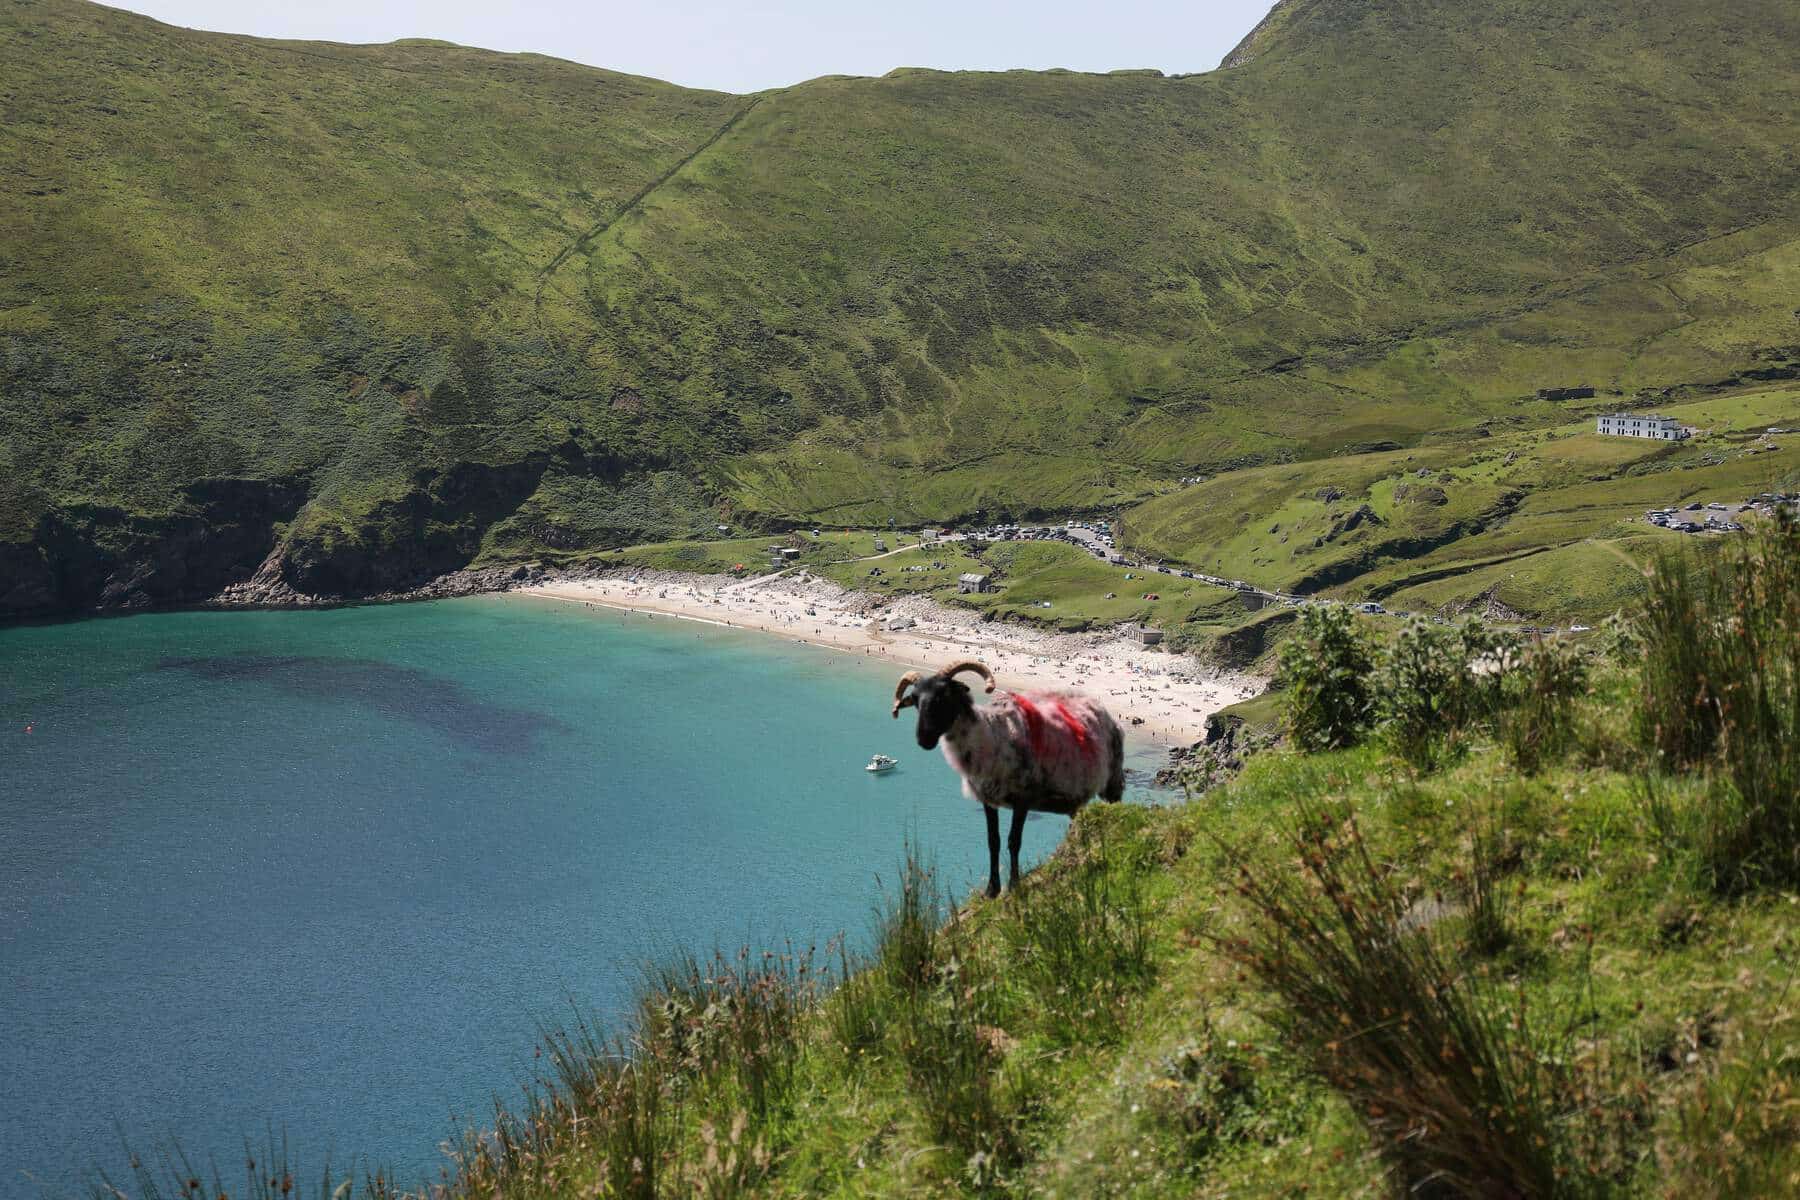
(1449, 1082)
(1436, 683)
(1418, 687)
(1325, 668)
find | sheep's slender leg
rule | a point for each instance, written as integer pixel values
(993, 824)
(1014, 837)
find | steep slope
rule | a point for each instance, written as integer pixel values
(382, 309)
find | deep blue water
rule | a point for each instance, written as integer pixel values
(329, 872)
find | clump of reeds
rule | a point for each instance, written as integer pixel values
(1721, 691)
(1447, 1076)
(1488, 890)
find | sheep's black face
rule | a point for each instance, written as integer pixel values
(942, 702)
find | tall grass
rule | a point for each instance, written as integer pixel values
(1721, 690)
(857, 1009)
(906, 928)
(952, 1045)
(940, 1005)
(601, 1112)
(269, 1174)
(1447, 1076)
(1081, 948)
(1679, 714)
(714, 1046)
(731, 1024)
(1738, 1125)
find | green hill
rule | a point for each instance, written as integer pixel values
(384, 311)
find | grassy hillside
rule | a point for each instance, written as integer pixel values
(1545, 521)
(418, 303)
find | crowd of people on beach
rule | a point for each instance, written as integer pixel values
(1170, 695)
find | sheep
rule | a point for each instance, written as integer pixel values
(1029, 752)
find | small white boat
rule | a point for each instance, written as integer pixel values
(881, 764)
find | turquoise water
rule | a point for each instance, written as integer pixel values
(329, 872)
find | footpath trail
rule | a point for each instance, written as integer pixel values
(581, 243)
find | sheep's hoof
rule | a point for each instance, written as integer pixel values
(993, 889)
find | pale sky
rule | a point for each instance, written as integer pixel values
(744, 45)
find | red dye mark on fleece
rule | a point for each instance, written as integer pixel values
(1077, 730)
(1039, 729)
(1034, 723)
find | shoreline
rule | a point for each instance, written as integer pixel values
(1158, 696)
(1169, 694)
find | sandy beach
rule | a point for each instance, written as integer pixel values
(1161, 697)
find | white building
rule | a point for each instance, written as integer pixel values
(1664, 429)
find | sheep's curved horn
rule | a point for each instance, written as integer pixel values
(980, 669)
(901, 700)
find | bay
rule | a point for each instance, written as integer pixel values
(327, 874)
